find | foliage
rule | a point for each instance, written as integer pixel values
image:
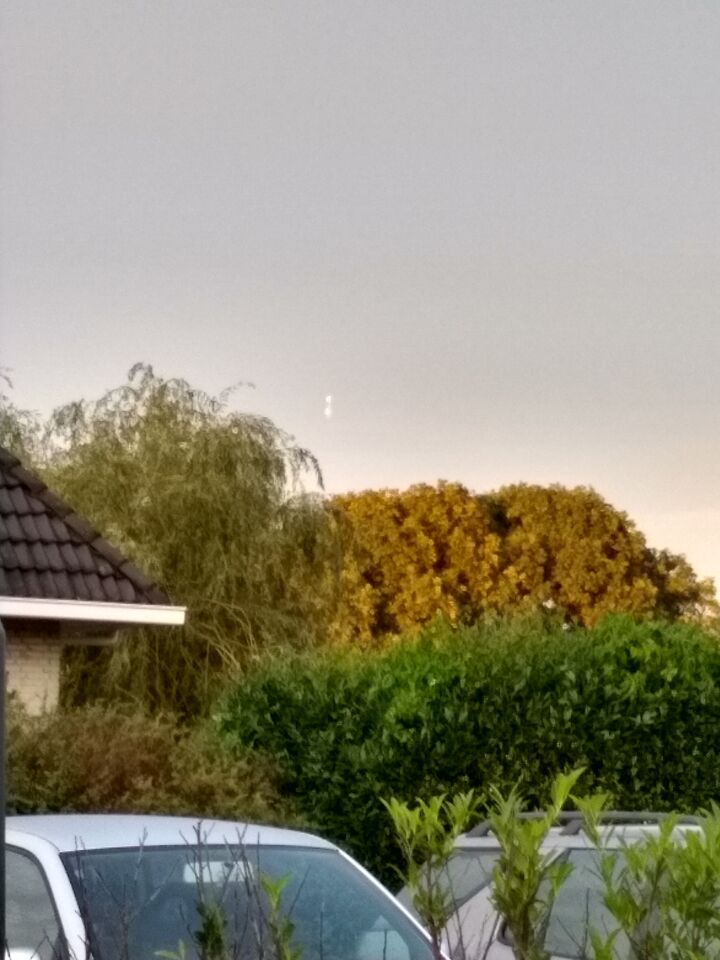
(20, 430)
(413, 555)
(663, 893)
(427, 550)
(103, 759)
(661, 888)
(571, 548)
(426, 833)
(209, 502)
(635, 703)
(525, 879)
(280, 926)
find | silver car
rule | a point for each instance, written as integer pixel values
(475, 931)
(112, 887)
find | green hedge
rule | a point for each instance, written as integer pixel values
(638, 704)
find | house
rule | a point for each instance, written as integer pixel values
(61, 583)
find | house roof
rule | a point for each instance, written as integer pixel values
(47, 551)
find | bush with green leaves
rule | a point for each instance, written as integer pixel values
(426, 832)
(661, 893)
(636, 704)
(99, 759)
(660, 887)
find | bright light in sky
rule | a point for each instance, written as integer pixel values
(494, 226)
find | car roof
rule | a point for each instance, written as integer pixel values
(93, 831)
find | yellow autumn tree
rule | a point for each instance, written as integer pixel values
(570, 548)
(411, 555)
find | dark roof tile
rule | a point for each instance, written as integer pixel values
(53, 504)
(13, 528)
(47, 550)
(136, 577)
(53, 556)
(28, 480)
(110, 588)
(8, 560)
(109, 552)
(67, 552)
(126, 591)
(80, 588)
(85, 558)
(29, 528)
(44, 528)
(32, 584)
(94, 586)
(81, 527)
(15, 582)
(19, 501)
(37, 507)
(39, 557)
(23, 557)
(63, 586)
(47, 583)
(60, 531)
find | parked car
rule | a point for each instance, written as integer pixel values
(475, 931)
(113, 886)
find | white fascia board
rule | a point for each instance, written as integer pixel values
(146, 614)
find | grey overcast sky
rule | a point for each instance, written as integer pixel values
(491, 230)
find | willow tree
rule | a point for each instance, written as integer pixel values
(212, 503)
(20, 429)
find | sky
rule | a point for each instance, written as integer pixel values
(489, 230)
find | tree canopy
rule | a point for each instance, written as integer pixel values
(210, 502)
(215, 505)
(426, 550)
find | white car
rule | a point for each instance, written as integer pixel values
(475, 931)
(114, 887)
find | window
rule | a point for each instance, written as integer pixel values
(468, 872)
(138, 901)
(579, 907)
(31, 924)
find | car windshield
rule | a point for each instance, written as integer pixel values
(142, 901)
(467, 872)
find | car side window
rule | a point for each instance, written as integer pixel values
(31, 924)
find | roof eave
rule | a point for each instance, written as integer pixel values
(140, 614)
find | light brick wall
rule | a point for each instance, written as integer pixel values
(32, 668)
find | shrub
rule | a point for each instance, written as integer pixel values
(636, 704)
(105, 760)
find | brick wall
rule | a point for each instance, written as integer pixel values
(32, 667)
